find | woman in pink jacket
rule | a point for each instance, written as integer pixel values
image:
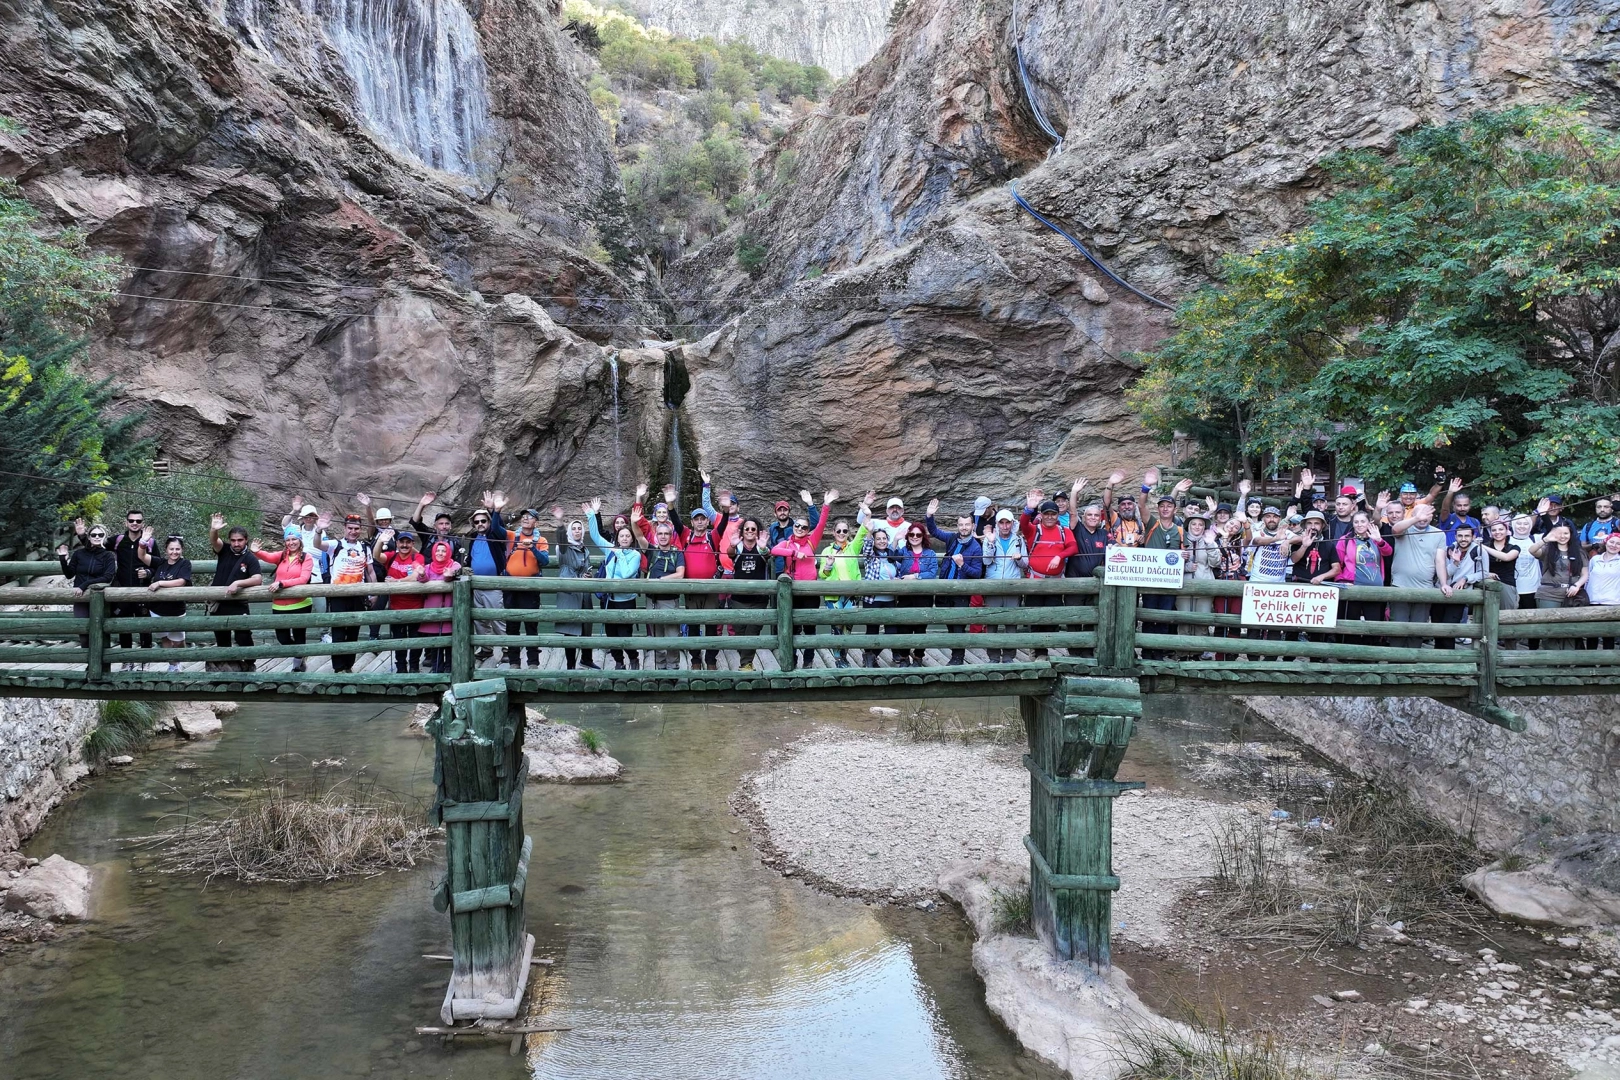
(1362, 552)
(800, 552)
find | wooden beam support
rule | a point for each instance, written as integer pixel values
(479, 772)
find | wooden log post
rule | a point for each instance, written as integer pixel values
(461, 628)
(786, 656)
(95, 666)
(479, 772)
(1077, 737)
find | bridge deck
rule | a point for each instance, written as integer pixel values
(1063, 627)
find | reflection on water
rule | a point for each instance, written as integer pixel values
(677, 953)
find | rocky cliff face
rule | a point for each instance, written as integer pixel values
(980, 343)
(309, 300)
(839, 35)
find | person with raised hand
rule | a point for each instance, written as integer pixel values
(350, 562)
(963, 561)
(798, 555)
(486, 558)
(132, 573)
(665, 562)
(701, 546)
(1006, 558)
(840, 562)
(86, 567)
(235, 568)
(528, 552)
(441, 566)
(443, 528)
(294, 567)
(1050, 546)
(622, 560)
(573, 562)
(917, 562)
(879, 563)
(401, 562)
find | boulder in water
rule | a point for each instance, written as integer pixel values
(196, 720)
(56, 889)
(558, 754)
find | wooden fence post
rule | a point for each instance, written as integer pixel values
(479, 772)
(461, 628)
(786, 656)
(1490, 624)
(1107, 617)
(95, 666)
(1074, 753)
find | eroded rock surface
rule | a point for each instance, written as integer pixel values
(39, 760)
(558, 755)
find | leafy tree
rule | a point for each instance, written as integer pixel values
(1457, 303)
(751, 253)
(182, 502)
(61, 446)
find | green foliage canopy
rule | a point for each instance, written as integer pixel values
(1456, 303)
(61, 447)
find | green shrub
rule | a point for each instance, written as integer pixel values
(751, 253)
(1014, 912)
(123, 728)
(591, 739)
(181, 502)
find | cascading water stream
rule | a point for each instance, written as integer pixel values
(675, 446)
(618, 448)
(419, 76)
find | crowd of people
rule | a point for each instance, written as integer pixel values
(1411, 539)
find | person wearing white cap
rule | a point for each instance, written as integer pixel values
(382, 521)
(894, 519)
(1006, 558)
(312, 525)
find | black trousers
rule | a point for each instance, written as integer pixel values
(406, 659)
(514, 626)
(224, 639)
(345, 661)
(131, 611)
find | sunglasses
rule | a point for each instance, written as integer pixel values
(479, 518)
(797, 527)
(173, 537)
(135, 521)
(750, 528)
(914, 536)
(840, 532)
(98, 536)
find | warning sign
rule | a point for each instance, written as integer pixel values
(1147, 568)
(1305, 607)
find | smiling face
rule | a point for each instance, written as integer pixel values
(1362, 524)
(1091, 516)
(175, 550)
(1461, 504)
(1611, 544)
(576, 532)
(896, 513)
(98, 537)
(1196, 527)
(964, 526)
(914, 537)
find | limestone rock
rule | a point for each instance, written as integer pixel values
(196, 720)
(1543, 897)
(40, 740)
(557, 755)
(839, 35)
(56, 889)
(420, 715)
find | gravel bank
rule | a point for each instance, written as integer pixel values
(884, 818)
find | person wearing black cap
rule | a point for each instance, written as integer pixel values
(1550, 515)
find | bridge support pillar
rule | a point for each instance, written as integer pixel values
(1077, 737)
(479, 772)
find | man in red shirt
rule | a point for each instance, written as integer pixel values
(1050, 545)
(702, 549)
(404, 563)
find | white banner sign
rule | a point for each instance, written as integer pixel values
(1301, 607)
(1148, 568)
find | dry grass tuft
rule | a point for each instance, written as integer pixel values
(1208, 1049)
(1370, 857)
(289, 838)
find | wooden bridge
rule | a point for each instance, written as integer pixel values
(1079, 708)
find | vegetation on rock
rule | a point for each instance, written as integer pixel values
(123, 728)
(688, 118)
(1456, 302)
(61, 444)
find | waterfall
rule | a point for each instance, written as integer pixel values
(618, 447)
(418, 73)
(675, 447)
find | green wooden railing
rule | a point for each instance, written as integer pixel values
(1095, 627)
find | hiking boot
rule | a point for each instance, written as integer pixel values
(958, 657)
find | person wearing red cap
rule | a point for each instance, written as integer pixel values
(782, 528)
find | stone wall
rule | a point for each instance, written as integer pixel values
(1563, 771)
(39, 760)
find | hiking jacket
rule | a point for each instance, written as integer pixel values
(971, 551)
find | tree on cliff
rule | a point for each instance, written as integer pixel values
(61, 447)
(1456, 302)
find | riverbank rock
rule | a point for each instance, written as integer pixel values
(558, 755)
(1541, 896)
(56, 889)
(419, 718)
(40, 761)
(197, 720)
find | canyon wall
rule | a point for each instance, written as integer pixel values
(839, 35)
(925, 328)
(1562, 773)
(335, 280)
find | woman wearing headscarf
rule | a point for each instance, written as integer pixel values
(441, 566)
(621, 561)
(573, 561)
(294, 567)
